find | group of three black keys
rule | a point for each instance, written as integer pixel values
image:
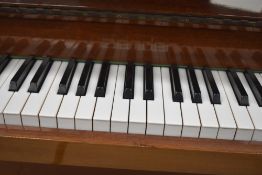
(128, 92)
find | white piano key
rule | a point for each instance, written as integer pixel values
(103, 109)
(254, 110)
(36, 100)
(67, 110)
(209, 124)
(173, 118)
(47, 115)
(15, 105)
(119, 119)
(155, 111)
(137, 114)
(7, 71)
(227, 125)
(191, 121)
(86, 106)
(245, 126)
(5, 95)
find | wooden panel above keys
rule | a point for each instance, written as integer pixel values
(131, 43)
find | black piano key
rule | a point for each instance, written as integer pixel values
(212, 88)
(177, 94)
(84, 79)
(40, 76)
(2, 59)
(148, 83)
(128, 92)
(238, 88)
(4, 63)
(67, 77)
(102, 80)
(193, 86)
(255, 86)
(21, 74)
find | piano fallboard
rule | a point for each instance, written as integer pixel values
(131, 43)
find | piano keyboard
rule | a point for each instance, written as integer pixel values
(150, 100)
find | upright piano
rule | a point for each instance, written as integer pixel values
(169, 86)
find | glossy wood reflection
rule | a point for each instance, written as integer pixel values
(133, 152)
(130, 43)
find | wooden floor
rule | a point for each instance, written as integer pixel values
(17, 168)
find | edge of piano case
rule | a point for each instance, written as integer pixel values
(205, 8)
(133, 152)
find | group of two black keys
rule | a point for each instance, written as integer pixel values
(128, 93)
